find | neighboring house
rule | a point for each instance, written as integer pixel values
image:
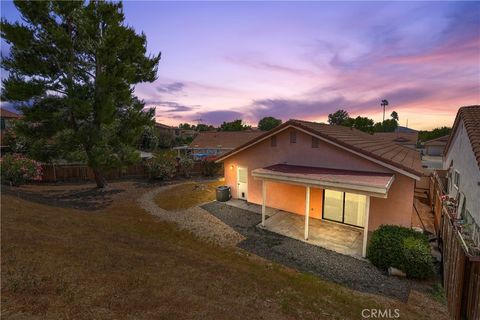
(402, 137)
(435, 147)
(6, 121)
(462, 160)
(216, 143)
(167, 130)
(333, 174)
(432, 154)
(174, 132)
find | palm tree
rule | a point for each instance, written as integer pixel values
(384, 104)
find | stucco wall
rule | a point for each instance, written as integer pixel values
(461, 153)
(292, 198)
(434, 150)
(397, 208)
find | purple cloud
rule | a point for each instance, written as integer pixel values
(171, 87)
(217, 117)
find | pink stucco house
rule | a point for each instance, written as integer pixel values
(325, 175)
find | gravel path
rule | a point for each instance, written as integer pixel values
(196, 220)
(329, 265)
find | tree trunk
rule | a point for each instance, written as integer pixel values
(99, 178)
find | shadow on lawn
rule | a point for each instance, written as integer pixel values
(88, 199)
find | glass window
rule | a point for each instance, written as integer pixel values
(355, 205)
(456, 179)
(314, 142)
(2, 123)
(333, 205)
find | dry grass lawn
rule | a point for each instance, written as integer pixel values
(187, 195)
(117, 262)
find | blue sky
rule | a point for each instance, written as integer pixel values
(228, 60)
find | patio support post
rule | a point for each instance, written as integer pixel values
(307, 211)
(264, 199)
(365, 228)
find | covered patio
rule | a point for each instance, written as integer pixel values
(343, 239)
(338, 236)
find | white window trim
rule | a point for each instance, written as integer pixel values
(455, 173)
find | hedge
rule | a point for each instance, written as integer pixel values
(402, 248)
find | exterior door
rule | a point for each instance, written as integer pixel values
(242, 183)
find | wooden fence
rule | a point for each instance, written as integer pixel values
(437, 189)
(461, 270)
(54, 173)
(461, 273)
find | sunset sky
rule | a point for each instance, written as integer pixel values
(227, 60)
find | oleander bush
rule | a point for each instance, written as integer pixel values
(185, 166)
(16, 169)
(162, 166)
(402, 248)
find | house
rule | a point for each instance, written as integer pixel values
(164, 129)
(6, 121)
(215, 143)
(173, 132)
(462, 160)
(402, 137)
(330, 185)
(435, 147)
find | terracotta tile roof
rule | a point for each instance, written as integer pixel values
(360, 178)
(399, 137)
(369, 145)
(223, 139)
(4, 113)
(440, 141)
(470, 115)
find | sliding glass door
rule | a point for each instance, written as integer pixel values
(344, 207)
(333, 205)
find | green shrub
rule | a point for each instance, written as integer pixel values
(185, 166)
(16, 169)
(402, 248)
(162, 166)
(418, 261)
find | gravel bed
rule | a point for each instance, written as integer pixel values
(329, 265)
(196, 220)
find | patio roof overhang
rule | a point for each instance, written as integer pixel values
(373, 184)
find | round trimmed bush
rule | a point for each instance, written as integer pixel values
(402, 248)
(418, 261)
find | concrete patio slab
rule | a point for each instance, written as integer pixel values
(329, 235)
(333, 236)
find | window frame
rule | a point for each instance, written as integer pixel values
(343, 211)
(456, 179)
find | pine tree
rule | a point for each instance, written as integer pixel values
(72, 71)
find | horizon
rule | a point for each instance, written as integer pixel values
(223, 61)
